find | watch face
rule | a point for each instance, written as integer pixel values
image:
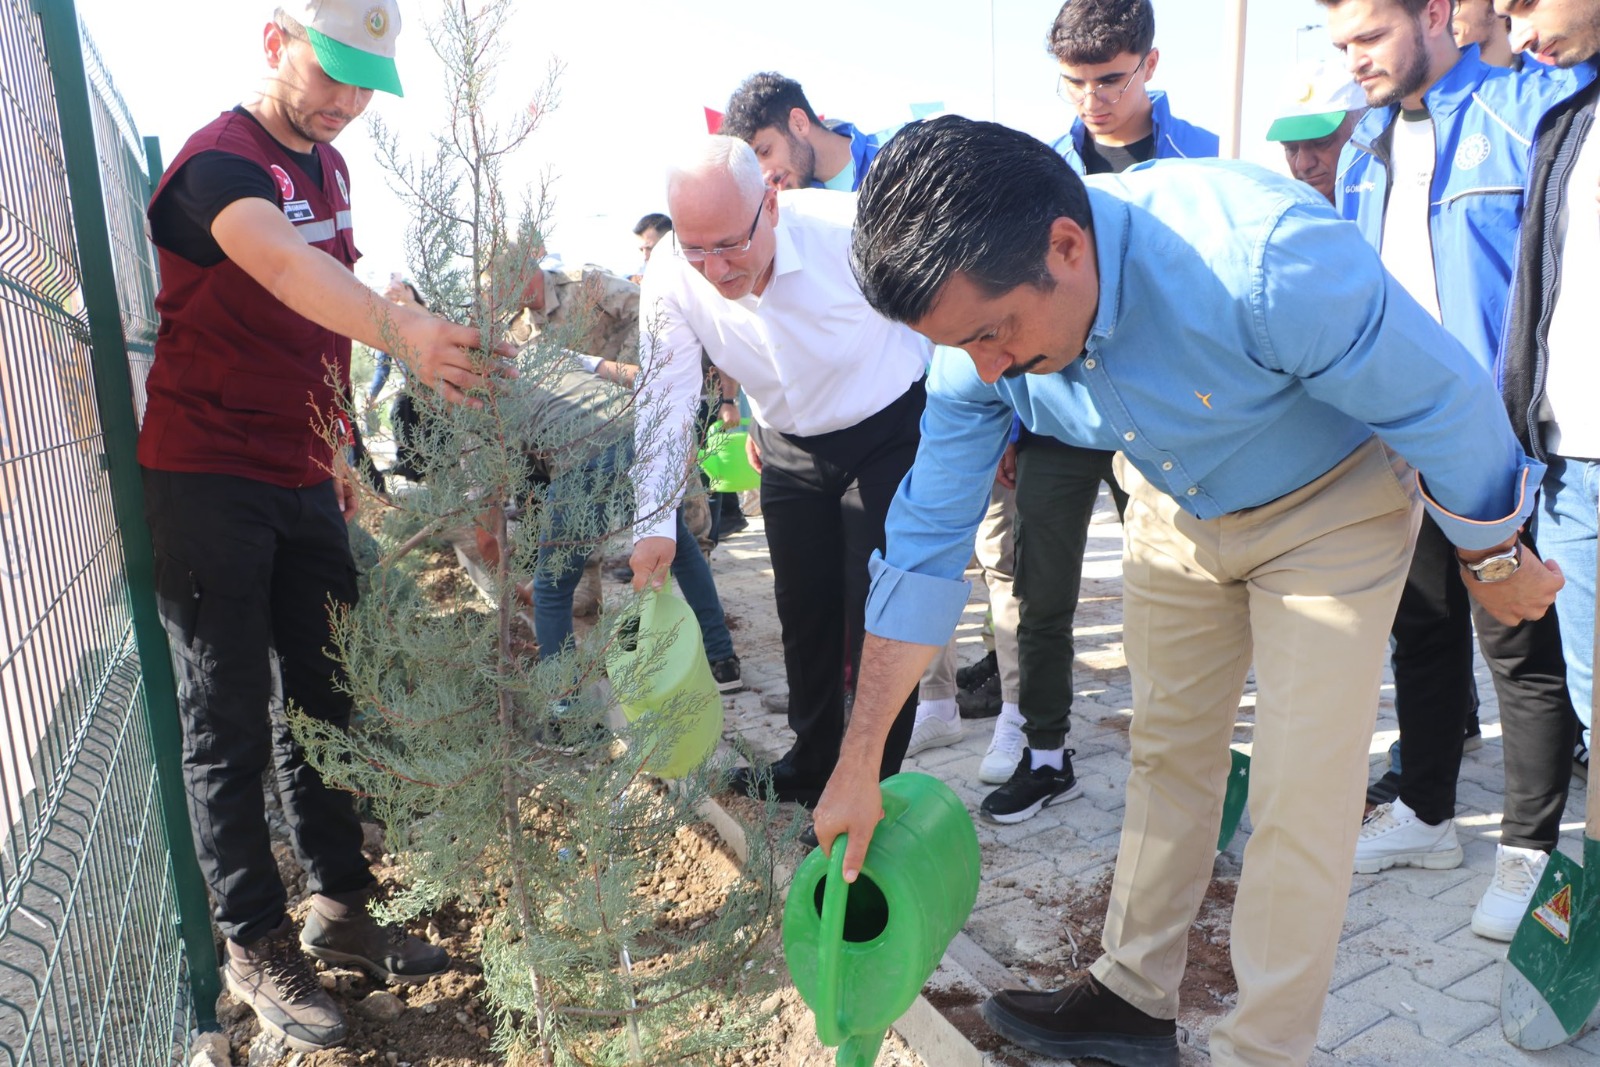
(1496, 570)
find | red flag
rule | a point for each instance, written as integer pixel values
(713, 120)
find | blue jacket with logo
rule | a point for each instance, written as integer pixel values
(863, 148)
(1175, 138)
(1484, 120)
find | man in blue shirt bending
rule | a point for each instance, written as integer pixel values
(1261, 376)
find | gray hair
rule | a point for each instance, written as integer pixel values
(717, 154)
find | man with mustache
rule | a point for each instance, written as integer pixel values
(247, 498)
(1434, 178)
(760, 279)
(1324, 106)
(1164, 313)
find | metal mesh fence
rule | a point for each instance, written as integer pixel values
(92, 968)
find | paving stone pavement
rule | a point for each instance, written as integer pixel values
(1412, 984)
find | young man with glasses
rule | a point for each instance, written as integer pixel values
(761, 280)
(1106, 56)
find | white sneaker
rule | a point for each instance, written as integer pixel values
(1000, 762)
(1516, 875)
(931, 732)
(1393, 836)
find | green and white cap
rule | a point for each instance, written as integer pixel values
(1315, 102)
(354, 40)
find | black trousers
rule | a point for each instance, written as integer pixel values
(824, 499)
(1435, 693)
(1057, 486)
(244, 568)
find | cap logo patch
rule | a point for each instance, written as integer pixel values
(285, 183)
(1473, 151)
(1311, 90)
(377, 23)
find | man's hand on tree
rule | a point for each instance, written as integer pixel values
(446, 357)
(651, 561)
(346, 487)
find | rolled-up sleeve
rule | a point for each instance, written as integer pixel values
(669, 390)
(917, 592)
(1328, 313)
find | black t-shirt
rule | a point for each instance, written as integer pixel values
(180, 220)
(1114, 159)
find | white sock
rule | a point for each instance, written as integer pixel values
(1047, 757)
(938, 709)
(1010, 712)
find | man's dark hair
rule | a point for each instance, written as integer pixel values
(1414, 8)
(952, 195)
(654, 221)
(764, 100)
(1097, 31)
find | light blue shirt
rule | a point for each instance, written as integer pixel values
(1246, 341)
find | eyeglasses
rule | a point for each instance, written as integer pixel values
(1106, 94)
(700, 255)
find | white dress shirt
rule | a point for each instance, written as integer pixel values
(811, 355)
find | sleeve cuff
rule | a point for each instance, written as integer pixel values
(1469, 533)
(916, 608)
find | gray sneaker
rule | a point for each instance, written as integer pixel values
(273, 978)
(341, 930)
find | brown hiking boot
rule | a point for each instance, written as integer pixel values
(273, 978)
(339, 929)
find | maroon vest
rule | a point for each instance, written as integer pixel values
(241, 385)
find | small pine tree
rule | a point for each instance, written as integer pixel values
(456, 735)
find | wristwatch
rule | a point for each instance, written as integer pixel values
(1498, 567)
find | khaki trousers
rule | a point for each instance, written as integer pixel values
(1306, 586)
(994, 549)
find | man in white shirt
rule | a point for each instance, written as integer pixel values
(761, 281)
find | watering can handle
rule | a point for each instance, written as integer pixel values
(830, 947)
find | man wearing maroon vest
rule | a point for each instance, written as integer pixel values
(247, 500)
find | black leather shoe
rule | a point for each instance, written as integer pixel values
(786, 781)
(1083, 1020)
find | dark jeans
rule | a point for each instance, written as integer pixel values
(554, 586)
(1435, 693)
(244, 568)
(824, 499)
(1057, 486)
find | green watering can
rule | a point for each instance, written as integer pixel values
(725, 461)
(859, 954)
(659, 674)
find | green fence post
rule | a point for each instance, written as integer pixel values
(63, 44)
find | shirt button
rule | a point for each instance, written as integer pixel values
(1193, 490)
(1167, 465)
(1089, 363)
(1130, 435)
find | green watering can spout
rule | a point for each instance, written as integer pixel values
(859, 1051)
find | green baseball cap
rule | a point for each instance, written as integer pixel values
(1317, 99)
(354, 40)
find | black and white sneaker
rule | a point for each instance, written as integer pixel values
(726, 673)
(1030, 791)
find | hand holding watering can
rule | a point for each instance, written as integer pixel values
(861, 944)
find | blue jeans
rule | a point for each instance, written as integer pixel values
(1569, 519)
(559, 568)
